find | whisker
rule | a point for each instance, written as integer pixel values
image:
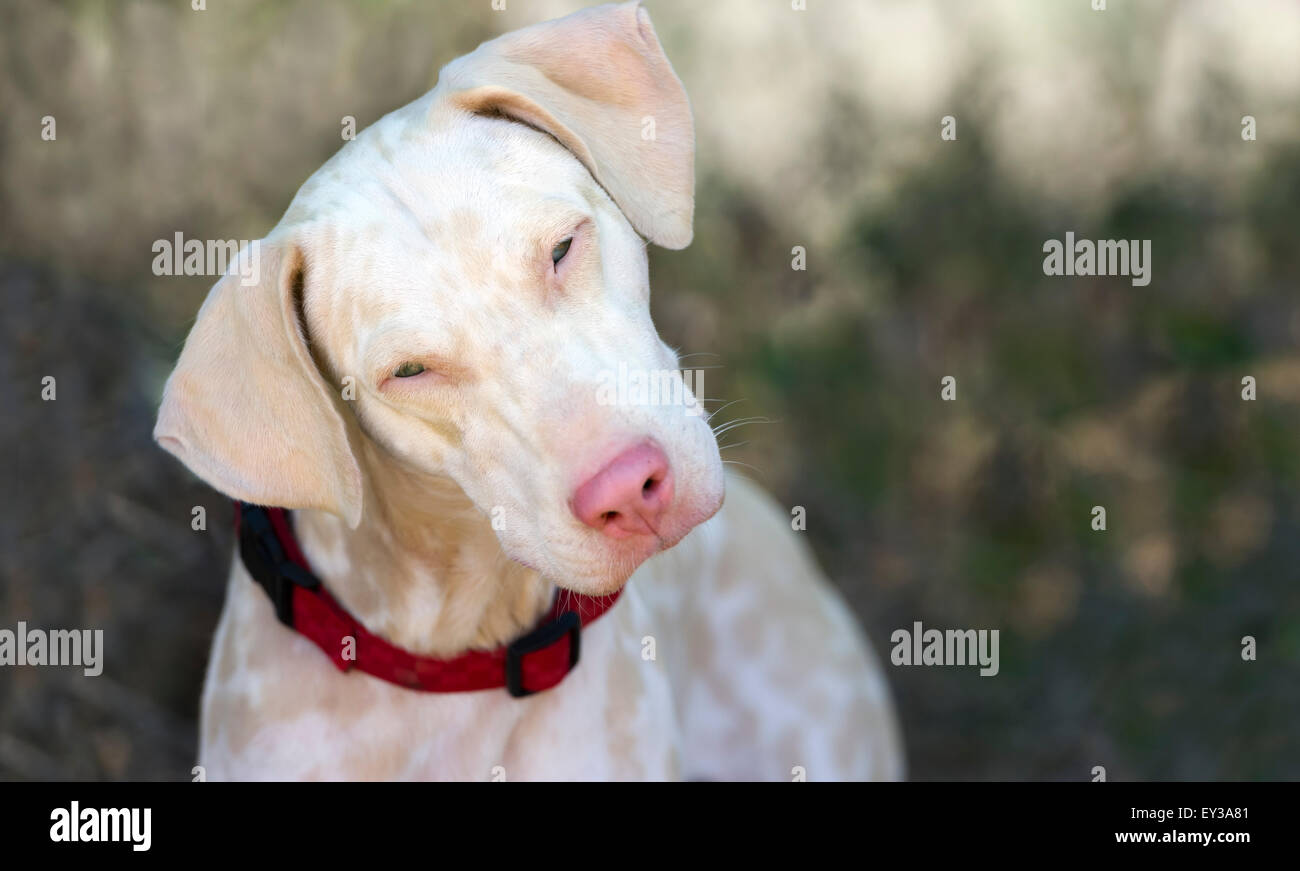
(744, 421)
(746, 477)
(715, 411)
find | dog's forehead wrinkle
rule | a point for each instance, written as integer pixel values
(429, 217)
(487, 159)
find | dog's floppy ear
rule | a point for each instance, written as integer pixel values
(246, 409)
(598, 81)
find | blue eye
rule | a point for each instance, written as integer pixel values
(406, 370)
(558, 252)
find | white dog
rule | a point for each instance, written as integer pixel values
(417, 375)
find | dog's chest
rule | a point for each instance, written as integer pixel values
(275, 708)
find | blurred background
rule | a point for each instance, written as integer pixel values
(816, 128)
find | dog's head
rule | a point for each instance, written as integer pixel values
(465, 287)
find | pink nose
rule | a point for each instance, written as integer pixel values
(629, 496)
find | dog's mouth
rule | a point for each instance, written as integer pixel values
(633, 554)
(618, 560)
(627, 506)
(617, 569)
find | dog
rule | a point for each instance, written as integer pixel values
(415, 374)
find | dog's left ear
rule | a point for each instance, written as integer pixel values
(599, 82)
(246, 409)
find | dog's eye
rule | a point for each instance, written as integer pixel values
(406, 370)
(558, 252)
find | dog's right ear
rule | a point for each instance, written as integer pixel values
(598, 81)
(246, 408)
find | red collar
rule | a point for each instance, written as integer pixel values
(535, 662)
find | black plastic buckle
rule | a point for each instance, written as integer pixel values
(266, 561)
(539, 639)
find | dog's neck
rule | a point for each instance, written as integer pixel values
(423, 569)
